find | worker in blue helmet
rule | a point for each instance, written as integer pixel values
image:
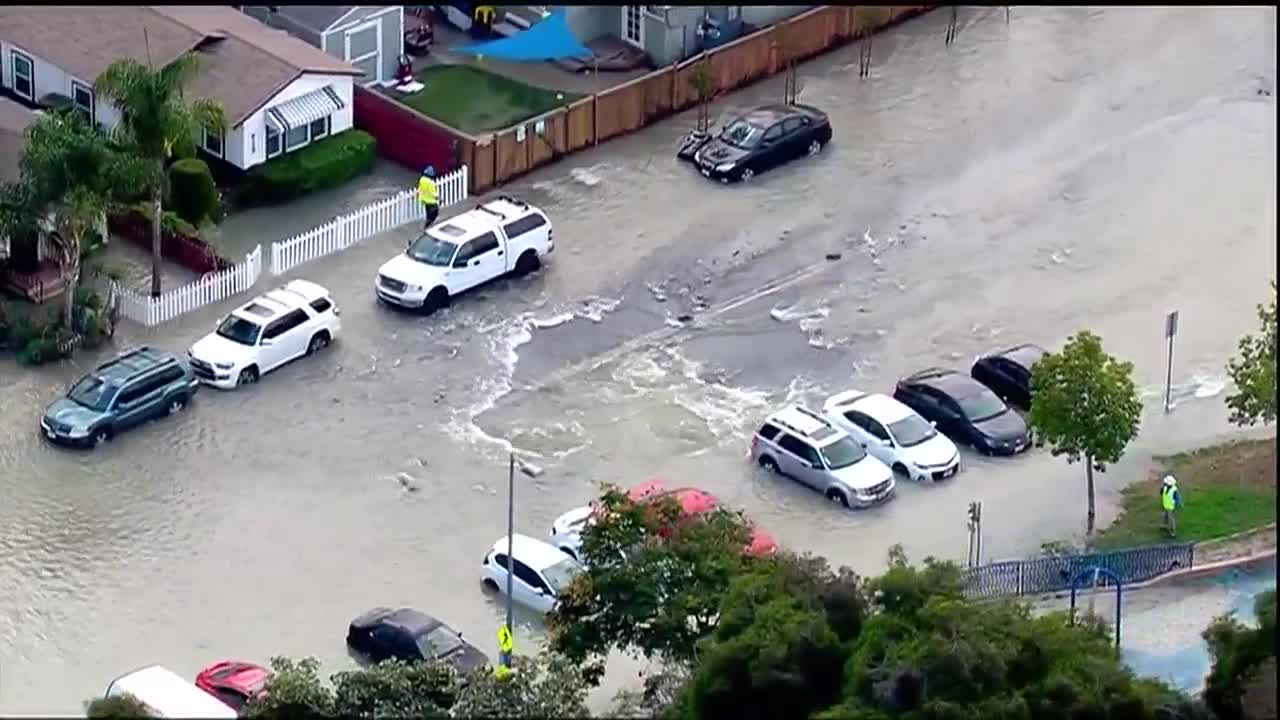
(429, 195)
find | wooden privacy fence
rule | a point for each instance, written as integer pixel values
(344, 231)
(213, 287)
(509, 153)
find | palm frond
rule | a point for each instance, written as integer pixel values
(173, 78)
(209, 114)
(123, 81)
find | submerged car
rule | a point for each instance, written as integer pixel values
(965, 410)
(894, 434)
(412, 636)
(233, 682)
(761, 139)
(134, 387)
(1008, 372)
(542, 571)
(566, 531)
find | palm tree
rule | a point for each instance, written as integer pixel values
(154, 118)
(71, 179)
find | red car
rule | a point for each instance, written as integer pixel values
(233, 682)
(694, 502)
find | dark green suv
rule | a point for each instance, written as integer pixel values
(136, 386)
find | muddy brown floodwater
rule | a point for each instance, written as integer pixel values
(1076, 168)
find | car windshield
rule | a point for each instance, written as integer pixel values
(842, 453)
(561, 574)
(237, 329)
(439, 641)
(92, 392)
(432, 251)
(981, 406)
(742, 134)
(911, 430)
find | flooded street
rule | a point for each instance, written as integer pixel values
(1077, 168)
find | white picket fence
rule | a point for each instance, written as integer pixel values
(344, 231)
(212, 288)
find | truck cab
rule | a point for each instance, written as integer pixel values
(499, 237)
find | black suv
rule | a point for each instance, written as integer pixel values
(964, 410)
(1008, 372)
(136, 386)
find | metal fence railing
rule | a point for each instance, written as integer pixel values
(1055, 573)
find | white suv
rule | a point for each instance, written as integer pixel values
(895, 434)
(495, 238)
(267, 332)
(806, 447)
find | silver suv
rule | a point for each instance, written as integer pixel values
(804, 446)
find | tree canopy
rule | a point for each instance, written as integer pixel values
(1239, 653)
(1254, 371)
(1085, 406)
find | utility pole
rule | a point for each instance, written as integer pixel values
(506, 644)
(975, 534)
(951, 25)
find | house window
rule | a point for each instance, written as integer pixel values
(212, 143)
(23, 76)
(82, 99)
(274, 147)
(319, 128)
(363, 49)
(295, 138)
(633, 24)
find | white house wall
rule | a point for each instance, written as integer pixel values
(250, 138)
(761, 15)
(50, 78)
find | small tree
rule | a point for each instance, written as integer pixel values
(1254, 371)
(703, 83)
(121, 707)
(1085, 406)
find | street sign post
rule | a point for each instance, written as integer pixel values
(1170, 330)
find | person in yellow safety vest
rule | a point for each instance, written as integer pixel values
(429, 195)
(1170, 501)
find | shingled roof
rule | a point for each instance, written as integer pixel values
(245, 63)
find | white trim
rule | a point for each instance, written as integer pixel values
(204, 143)
(14, 56)
(93, 100)
(371, 16)
(377, 54)
(401, 52)
(337, 23)
(627, 11)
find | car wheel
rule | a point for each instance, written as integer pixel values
(901, 469)
(569, 552)
(815, 147)
(248, 376)
(319, 341)
(490, 585)
(746, 175)
(837, 496)
(176, 404)
(769, 464)
(436, 300)
(528, 263)
(101, 436)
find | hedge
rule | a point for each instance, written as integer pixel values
(324, 164)
(192, 192)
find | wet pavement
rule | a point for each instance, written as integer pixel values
(1077, 168)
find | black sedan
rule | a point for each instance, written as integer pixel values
(761, 139)
(964, 410)
(411, 636)
(1008, 372)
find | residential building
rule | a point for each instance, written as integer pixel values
(369, 37)
(279, 94)
(670, 33)
(14, 121)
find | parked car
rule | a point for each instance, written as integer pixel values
(274, 328)
(233, 682)
(412, 636)
(542, 571)
(894, 434)
(806, 447)
(761, 139)
(965, 410)
(493, 239)
(566, 530)
(167, 695)
(1008, 372)
(133, 387)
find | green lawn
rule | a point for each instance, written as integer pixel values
(1226, 489)
(475, 101)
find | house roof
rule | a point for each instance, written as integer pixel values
(14, 120)
(316, 17)
(245, 62)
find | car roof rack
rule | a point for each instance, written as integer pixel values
(928, 372)
(807, 413)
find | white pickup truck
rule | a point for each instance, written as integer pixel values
(491, 240)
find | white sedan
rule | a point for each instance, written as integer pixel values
(894, 434)
(542, 571)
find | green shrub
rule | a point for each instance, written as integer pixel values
(171, 222)
(39, 350)
(192, 192)
(325, 164)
